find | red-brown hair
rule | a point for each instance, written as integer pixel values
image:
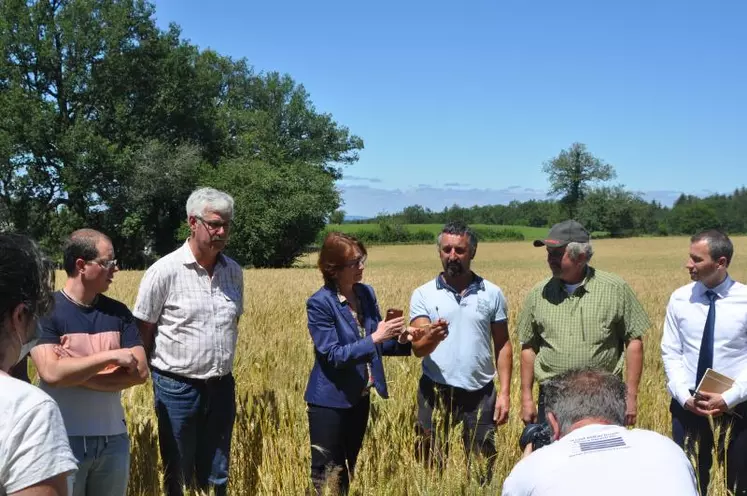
(337, 249)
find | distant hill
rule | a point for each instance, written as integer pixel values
(356, 217)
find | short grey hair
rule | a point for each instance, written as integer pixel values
(585, 393)
(205, 200)
(575, 249)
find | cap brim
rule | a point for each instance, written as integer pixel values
(549, 242)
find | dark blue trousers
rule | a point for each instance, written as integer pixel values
(195, 425)
(336, 436)
(689, 430)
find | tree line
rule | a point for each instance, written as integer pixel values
(109, 122)
(578, 191)
(609, 210)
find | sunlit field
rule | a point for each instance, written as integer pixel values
(270, 453)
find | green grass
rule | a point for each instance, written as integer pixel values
(529, 233)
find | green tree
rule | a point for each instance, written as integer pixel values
(572, 173)
(691, 217)
(415, 214)
(106, 118)
(279, 209)
(337, 217)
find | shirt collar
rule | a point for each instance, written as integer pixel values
(722, 290)
(188, 258)
(587, 283)
(477, 284)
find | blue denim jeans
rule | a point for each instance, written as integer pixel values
(195, 424)
(103, 464)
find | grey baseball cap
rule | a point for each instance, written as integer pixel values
(562, 233)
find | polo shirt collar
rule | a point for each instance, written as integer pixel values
(722, 290)
(477, 284)
(188, 258)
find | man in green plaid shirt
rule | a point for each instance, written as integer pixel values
(579, 317)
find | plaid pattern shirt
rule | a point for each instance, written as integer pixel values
(588, 328)
(197, 315)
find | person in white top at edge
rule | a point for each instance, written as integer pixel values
(35, 457)
(188, 308)
(706, 327)
(593, 453)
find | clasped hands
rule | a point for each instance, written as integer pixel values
(704, 403)
(396, 328)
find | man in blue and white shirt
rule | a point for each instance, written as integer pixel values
(462, 314)
(706, 327)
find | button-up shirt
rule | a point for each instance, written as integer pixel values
(683, 331)
(588, 328)
(197, 315)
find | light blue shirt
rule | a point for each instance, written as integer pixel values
(465, 358)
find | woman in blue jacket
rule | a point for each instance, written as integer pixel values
(350, 338)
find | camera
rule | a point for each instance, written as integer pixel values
(538, 434)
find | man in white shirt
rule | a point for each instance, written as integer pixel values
(593, 453)
(188, 308)
(35, 457)
(706, 327)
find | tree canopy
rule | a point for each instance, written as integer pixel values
(572, 173)
(109, 122)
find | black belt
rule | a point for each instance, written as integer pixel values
(191, 380)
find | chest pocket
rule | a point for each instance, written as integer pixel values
(229, 302)
(600, 322)
(577, 319)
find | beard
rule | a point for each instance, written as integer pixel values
(454, 268)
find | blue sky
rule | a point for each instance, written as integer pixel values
(462, 102)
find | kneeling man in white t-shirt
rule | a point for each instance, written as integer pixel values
(593, 453)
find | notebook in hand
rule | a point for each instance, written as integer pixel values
(713, 382)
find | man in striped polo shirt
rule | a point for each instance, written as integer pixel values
(578, 317)
(89, 350)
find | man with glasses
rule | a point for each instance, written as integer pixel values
(88, 351)
(465, 343)
(188, 309)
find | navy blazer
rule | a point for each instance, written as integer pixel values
(339, 374)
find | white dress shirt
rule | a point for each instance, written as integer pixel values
(683, 331)
(197, 315)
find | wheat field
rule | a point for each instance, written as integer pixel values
(270, 451)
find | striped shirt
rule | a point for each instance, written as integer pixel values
(79, 331)
(196, 315)
(588, 328)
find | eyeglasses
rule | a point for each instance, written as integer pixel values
(358, 262)
(214, 225)
(106, 264)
